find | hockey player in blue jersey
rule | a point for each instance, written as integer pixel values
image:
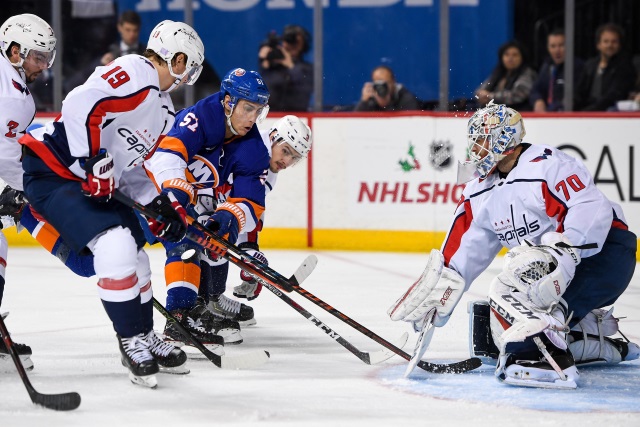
(72, 166)
(214, 141)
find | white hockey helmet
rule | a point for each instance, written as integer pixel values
(33, 34)
(495, 131)
(293, 131)
(169, 38)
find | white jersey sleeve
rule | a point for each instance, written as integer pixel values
(17, 110)
(119, 108)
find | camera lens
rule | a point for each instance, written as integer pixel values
(381, 88)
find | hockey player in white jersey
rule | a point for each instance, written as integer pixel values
(107, 127)
(28, 47)
(570, 256)
(289, 141)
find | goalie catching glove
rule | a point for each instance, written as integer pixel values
(250, 288)
(171, 225)
(542, 272)
(99, 183)
(438, 287)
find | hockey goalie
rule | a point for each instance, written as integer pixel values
(570, 257)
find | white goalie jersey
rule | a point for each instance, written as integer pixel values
(547, 190)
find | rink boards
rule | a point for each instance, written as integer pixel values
(388, 182)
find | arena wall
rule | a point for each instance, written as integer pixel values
(388, 182)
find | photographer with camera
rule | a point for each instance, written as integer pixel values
(384, 94)
(287, 75)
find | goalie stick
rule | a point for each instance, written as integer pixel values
(265, 274)
(242, 361)
(58, 402)
(370, 358)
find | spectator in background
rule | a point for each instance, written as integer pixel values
(510, 81)
(548, 90)
(129, 29)
(287, 75)
(383, 93)
(609, 76)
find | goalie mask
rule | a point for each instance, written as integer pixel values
(35, 37)
(493, 133)
(169, 38)
(293, 131)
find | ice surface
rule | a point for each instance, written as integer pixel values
(310, 379)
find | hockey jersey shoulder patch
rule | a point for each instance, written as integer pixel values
(544, 156)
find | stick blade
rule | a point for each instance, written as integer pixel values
(249, 360)
(57, 402)
(305, 269)
(380, 356)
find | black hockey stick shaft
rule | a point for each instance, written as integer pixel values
(210, 240)
(317, 322)
(58, 402)
(217, 360)
(452, 368)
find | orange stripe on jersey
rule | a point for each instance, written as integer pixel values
(118, 284)
(152, 178)
(109, 105)
(460, 226)
(178, 271)
(257, 209)
(47, 236)
(172, 143)
(554, 208)
(43, 152)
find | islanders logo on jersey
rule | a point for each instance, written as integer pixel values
(201, 173)
(543, 156)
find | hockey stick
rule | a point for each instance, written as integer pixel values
(265, 274)
(370, 358)
(58, 402)
(242, 361)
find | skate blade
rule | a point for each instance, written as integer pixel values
(246, 323)
(6, 363)
(149, 381)
(190, 349)
(557, 384)
(175, 370)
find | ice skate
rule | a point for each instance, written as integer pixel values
(527, 371)
(171, 360)
(24, 351)
(139, 360)
(213, 342)
(224, 307)
(228, 329)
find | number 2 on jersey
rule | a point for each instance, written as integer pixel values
(574, 182)
(116, 77)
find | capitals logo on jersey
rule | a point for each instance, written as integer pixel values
(547, 153)
(512, 233)
(202, 173)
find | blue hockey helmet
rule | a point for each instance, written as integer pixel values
(242, 84)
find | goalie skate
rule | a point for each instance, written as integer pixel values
(23, 350)
(138, 359)
(555, 368)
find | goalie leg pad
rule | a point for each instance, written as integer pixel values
(591, 342)
(418, 292)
